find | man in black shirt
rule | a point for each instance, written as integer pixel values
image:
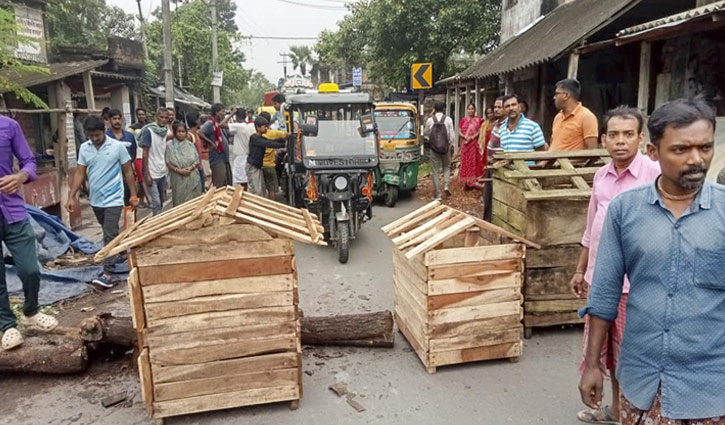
(257, 145)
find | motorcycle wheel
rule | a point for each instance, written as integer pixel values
(343, 242)
(391, 196)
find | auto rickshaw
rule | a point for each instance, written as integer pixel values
(398, 128)
(331, 156)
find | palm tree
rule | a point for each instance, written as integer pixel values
(301, 56)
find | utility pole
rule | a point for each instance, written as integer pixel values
(143, 29)
(214, 53)
(284, 63)
(168, 65)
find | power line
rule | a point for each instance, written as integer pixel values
(272, 37)
(313, 6)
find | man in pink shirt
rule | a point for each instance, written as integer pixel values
(628, 169)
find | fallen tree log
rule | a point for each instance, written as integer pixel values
(61, 352)
(355, 330)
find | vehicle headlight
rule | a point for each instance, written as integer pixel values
(340, 183)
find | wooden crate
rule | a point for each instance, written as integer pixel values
(457, 286)
(213, 290)
(547, 203)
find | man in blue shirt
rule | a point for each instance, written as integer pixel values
(102, 159)
(127, 139)
(518, 133)
(668, 239)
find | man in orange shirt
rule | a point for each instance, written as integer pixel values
(575, 127)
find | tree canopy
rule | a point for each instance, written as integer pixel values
(87, 23)
(387, 36)
(252, 95)
(11, 65)
(301, 56)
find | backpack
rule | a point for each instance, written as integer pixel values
(438, 139)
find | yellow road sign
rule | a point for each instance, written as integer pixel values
(421, 76)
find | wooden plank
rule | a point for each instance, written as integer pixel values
(440, 237)
(543, 155)
(430, 232)
(270, 217)
(509, 194)
(549, 281)
(136, 298)
(558, 194)
(411, 288)
(314, 233)
(411, 267)
(503, 232)
(226, 351)
(467, 299)
(500, 351)
(514, 218)
(144, 371)
(552, 319)
(139, 237)
(238, 285)
(225, 384)
(213, 270)
(117, 240)
(387, 229)
(206, 200)
(213, 235)
(487, 281)
(157, 311)
(274, 205)
(226, 400)
(475, 327)
(472, 269)
(473, 254)
(417, 231)
(530, 184)
(410, 337)
(557, 222)
(282, 217)
(471, 237)
(165, 374)
(554, 306)
(298, 236)
(236, 199)
(223, 319)
(219, 336)
(189, 254)
(577, 179)
(413, 312)
(462, 314)
(406, 227)
(494, 337)
(557, 172)
(553, 256)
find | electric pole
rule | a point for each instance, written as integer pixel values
(168, 65)
(284, 63)
(143, 29)
(214, 54)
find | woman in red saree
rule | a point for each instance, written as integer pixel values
(470, 128)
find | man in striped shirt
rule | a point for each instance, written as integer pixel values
(518, 133)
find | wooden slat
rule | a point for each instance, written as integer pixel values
(487, 281)
(468, 299)
(462, 314)
(485, 339)
(556, 194)
(530, 184)
(542, 155)
(416, 316)
(213, 235)
(537, 174)
(577, 179)
(500, 351)
(552, 319)
(473, 254)
(431, 231)
(268, 203)
(165, 374)
(299, 236)
(204, 202)
(314, 232)
(213, 270)
(553, 306)
(398, 240)
(390, 228)
(225, 384)
(157, 311)
(222, 319)
(144, 371)
(475, 327)
(412, 287)
(103, 253)
(405, 330)
(553, 256)
(440, 237)
(226, 400)
(474, 269)
(136, 298)
(220, 336)
(415, 275)
(222, 352)
(272, 217)
(427, 215)
(518, 238)
(236, 199)
(237, 285)
(189, 254)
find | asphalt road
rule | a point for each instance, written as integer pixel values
(391, 384)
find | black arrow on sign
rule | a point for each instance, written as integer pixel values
(419, 75)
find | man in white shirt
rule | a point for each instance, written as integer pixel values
(241, 131)
(440, 152)
(153, 141)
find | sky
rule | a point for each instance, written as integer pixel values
(279, 18)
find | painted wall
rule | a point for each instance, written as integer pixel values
(518, 14)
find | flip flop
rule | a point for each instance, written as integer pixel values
(11, 339)
(39, 321)
(603, 415)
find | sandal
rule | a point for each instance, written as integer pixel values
(11, 339)
(603, 415)
(39, 321)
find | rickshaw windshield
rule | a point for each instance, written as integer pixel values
(338, 134)
(395, 124)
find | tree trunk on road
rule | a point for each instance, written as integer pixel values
(355, 330)
(61, 352)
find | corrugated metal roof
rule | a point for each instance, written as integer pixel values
(552, 35)
(57, 71)
(115, 76)
(180, 95)
(675, 19)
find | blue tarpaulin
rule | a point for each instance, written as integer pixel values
(53, 240)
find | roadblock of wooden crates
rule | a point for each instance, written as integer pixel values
(213, 289)
(544, 197)
(457, 286)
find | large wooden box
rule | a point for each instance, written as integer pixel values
(215, 304)
(457, 287)
(547, 203)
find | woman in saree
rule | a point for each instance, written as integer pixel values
(182, 160)
(471, 169)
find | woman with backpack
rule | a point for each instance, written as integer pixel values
(470, 129)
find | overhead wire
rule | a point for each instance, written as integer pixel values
(313, 6)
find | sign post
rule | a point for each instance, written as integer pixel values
(357, 77)
(421, 78)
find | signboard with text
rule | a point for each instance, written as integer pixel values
(357, 77)
(32, 31)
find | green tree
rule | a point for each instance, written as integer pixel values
(301, 56)
(253, 94)
(10, 66)
(87, 23)
(387, 36)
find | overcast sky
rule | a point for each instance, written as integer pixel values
(268, 18)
